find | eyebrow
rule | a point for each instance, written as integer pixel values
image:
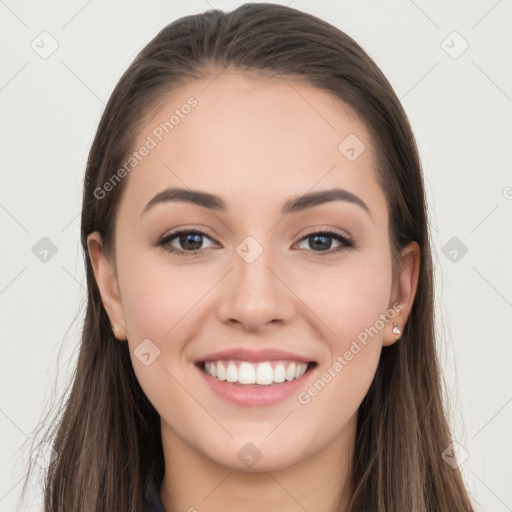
(293, 205)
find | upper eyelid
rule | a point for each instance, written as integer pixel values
(173, 234)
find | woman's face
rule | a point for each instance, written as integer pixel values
(257, 272)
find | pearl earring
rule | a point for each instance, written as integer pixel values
(115, 330)
(396, 329)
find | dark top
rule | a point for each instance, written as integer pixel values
(152, 494)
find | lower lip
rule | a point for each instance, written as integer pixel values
(257, 396)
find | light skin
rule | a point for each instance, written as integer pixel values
(256, 143)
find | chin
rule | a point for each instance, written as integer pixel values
(257, 454)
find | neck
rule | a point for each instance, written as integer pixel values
(194, 483)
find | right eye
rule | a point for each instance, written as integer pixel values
(189, 240)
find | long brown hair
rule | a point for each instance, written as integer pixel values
(106, 435)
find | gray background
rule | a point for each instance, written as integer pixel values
(460, 107)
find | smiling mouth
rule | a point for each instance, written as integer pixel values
(250, 374)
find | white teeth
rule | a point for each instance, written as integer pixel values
(246, 373)
(290, 372)
(264, 374)
(279, 373)
(250, 373)
(221, 371)
(231, 373)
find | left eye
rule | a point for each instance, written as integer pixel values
(188, 243)
(323, 241)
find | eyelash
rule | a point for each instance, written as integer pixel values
(346, 243)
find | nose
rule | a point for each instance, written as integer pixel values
(255, 296)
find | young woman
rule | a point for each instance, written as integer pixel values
(259, 332)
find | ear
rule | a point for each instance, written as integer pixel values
(404, 291)
(106, 279)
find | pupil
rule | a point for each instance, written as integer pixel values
(321, 239)
(187, 241)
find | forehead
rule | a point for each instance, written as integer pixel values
(251, 138)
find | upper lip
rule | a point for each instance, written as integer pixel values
(244, 354)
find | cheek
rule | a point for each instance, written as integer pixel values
(351, 306)
(352, 302)
(160, 303)
(158, 299)
(350, 299)
(165, 304)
